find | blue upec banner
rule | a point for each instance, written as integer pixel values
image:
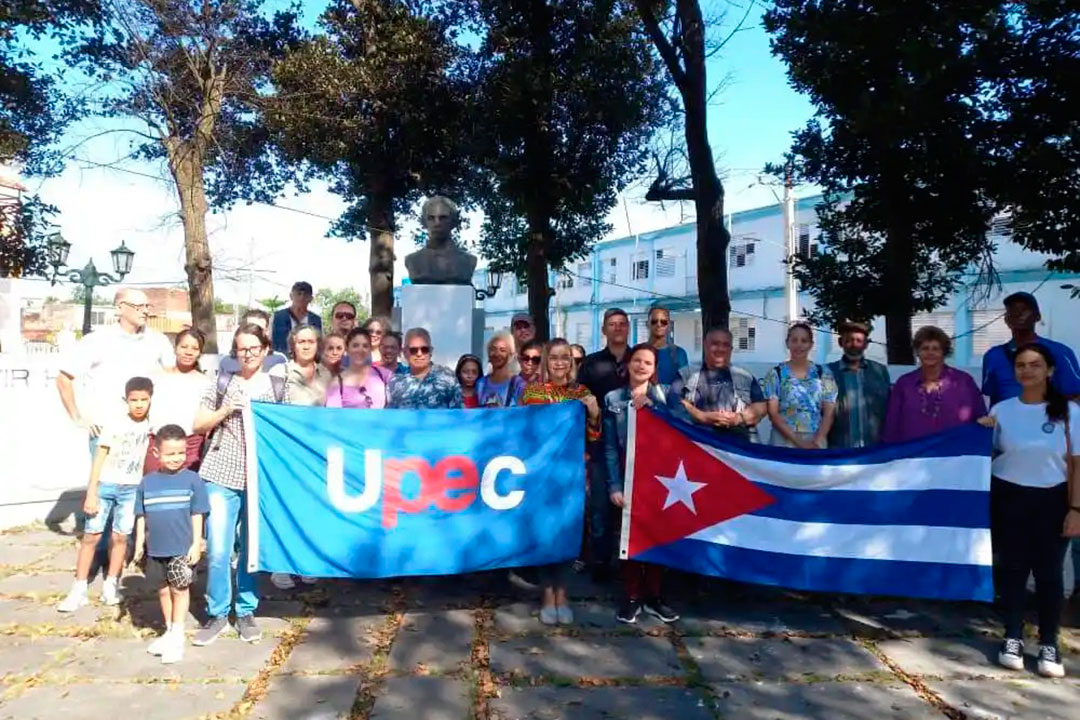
(368, 493)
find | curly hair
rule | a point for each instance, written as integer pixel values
(930, 333)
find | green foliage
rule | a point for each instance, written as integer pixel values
(897, 144)
(567, 96)
(33, 111)
(78, 295)
(326, 298)
(271, 303)
(24, 229)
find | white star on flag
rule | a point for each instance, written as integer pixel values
(680, 489)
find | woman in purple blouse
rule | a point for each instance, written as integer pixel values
(933, 398)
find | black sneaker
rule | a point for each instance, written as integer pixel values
(660, 610)
(1050, 664)
(249, 631)
(1011, 655)
(628, 612)
(209, 633)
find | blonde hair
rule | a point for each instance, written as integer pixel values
(508, 338)
(548, 347)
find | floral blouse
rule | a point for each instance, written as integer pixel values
(800, 399)
(546, 393)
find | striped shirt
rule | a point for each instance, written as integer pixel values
(167, 501)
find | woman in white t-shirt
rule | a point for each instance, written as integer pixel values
(177, 393)
(1032, 507)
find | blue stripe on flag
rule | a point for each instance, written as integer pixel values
(937, 508)
(969, 439)
(939, 581)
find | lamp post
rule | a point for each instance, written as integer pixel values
(88, 277)
(494, 282)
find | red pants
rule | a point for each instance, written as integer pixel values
(641, 580)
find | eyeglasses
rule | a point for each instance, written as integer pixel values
(344, 316)
(420, 350)
(529, 358)
(254, 350)
(133, 306)
(662, 322)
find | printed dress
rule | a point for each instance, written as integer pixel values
(800, 399)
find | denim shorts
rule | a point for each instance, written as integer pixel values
(120, 501)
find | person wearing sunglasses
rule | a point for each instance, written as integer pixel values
(343, 317)
(557, 385)
(426, 385)
(502, 387)
(362, 385)
(529, 358)
(670, 358)
(377, 326)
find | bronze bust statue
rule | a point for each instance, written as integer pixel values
(441, 261)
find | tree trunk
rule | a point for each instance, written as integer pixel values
(712, 236)
(381, 260)
(536, 275)
(186, 167)
(898, 282)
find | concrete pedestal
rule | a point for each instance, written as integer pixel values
(445, 311)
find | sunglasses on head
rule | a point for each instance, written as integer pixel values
(344, 316)
(529, 358)
(420, 350)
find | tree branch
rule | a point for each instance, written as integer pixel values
(663, 46)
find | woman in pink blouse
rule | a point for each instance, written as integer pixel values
(933, 398)
(362, 385)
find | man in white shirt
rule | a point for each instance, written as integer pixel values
(103, 361)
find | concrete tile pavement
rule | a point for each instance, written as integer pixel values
(472, 647)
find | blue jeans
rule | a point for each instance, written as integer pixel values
(117, 500)
(600, 512)
(228, 508)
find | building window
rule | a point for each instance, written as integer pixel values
(697, 335)
(641, 324)
(582, 335)
(611, 270)
(941, 319)
(806, 247)
(741, 253)
(640, 269)
(743, 334)
(1001, 229)
(665, 263)
(97, 317)
(584, 272)
(564, 281)
(988, 329)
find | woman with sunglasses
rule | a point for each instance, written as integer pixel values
(670, 358)
(530, 357)
(557, 386)
(362, 385)
(502, 387)
(468, 374)
(377, 326)
(641, 581)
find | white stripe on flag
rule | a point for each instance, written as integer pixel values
(964, 546)
(960, 472)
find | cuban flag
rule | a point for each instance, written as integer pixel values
(910, 519)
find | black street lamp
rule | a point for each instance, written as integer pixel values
(494, 282)
(88, 277)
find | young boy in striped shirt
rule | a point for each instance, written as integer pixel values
(169, 509)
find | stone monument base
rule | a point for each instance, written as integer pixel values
(445, 311)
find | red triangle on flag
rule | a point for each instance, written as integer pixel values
(679, 489)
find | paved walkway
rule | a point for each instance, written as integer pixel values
(456, 648)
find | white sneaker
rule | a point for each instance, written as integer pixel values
(75, 599)
(1050, 664)
(308, 580)
(173, 652)
(158, 646)
(282, 581)
(110, 593)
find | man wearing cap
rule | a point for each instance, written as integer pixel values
(999, 379)
(603, 372)
(296, 313)
(523, 329)
(863, 386)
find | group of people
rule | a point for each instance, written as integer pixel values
(189, 420)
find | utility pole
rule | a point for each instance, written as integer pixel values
(791, 290)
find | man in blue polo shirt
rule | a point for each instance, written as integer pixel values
(999, 379)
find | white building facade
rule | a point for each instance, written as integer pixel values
(661, 267)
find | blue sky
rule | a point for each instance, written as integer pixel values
(750, 122)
